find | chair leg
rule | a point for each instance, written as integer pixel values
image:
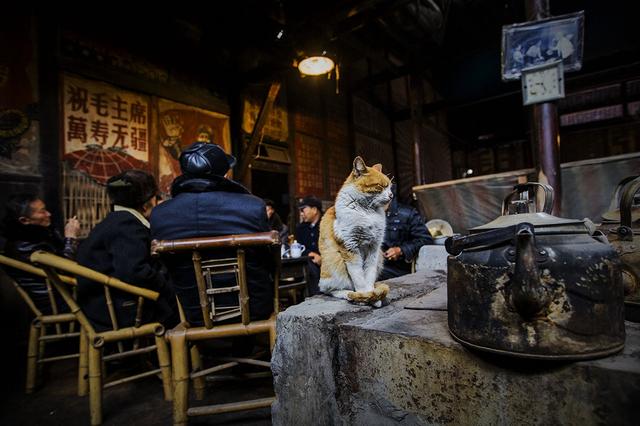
(196, 364)
(32, 356)
(41, 351)
(95, 384)
(164, 361)
(272, 334)
(180, 363)
(83, 369)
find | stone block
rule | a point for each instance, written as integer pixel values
(342, 364)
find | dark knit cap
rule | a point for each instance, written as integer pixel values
(131, 188)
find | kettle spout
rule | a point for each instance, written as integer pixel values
(528, 295)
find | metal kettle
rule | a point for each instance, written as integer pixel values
(622, 226)
(533, 285)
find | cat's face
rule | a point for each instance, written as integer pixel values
(371, 183)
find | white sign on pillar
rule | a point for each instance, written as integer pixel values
(543, 83)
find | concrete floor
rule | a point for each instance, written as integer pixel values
(56, 402)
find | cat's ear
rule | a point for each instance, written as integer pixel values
(359, 168)
(378, 167)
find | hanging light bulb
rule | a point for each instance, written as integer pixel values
(316, 65)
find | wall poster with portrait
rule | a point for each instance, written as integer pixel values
(180, 125)
(538, 43)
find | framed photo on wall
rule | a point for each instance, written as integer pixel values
(538, 43)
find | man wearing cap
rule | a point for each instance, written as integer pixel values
(307, 233)
(119, 246)
(404, 234)
(207, 204)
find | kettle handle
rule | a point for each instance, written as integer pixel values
(626, 201)
(457, 244)
(615, 198)
(530, 187)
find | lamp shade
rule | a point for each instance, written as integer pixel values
(316, 65)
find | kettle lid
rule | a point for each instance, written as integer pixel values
(516, 209)
(539, 219)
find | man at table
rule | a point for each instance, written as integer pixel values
(307, 234)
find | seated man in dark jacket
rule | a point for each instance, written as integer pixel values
(206, 204)
(404, 235)
(119, 246)
(27, 228)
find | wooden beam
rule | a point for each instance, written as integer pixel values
(247, 155)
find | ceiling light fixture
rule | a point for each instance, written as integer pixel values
(316, 65)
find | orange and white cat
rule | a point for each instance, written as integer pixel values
(351, 233)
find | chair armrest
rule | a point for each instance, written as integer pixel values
(23, 266)
(52, 261)
(240, 240)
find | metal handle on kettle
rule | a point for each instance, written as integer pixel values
(626, 201)
(528, 295)
(457, 244)
(530, 186)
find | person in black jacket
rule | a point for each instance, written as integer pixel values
(27, 228)
(307, 234)
(404, 235)
(206, 203)
(119, 246)
(275, 223)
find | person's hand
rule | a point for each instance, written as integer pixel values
(315, 257)
(72, 228)
(393, 253)
(173, 129)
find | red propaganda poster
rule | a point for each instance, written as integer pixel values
(105, 129)
(181, 125)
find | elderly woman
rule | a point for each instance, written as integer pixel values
(27, 228)
(119, 246)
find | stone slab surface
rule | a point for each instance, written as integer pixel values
(341, 364)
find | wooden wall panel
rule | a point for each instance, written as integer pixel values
(309, 170)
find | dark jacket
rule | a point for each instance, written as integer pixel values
(307, 235)
(214, 207)
(275, 224)
(119, 246)
(22, 241)
(405, 229)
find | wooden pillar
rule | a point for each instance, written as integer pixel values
(416, 100)
(48, 81)
(244, 174)
(545, 132)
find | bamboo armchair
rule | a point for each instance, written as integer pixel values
(184, 337)
(38, 334)
(92, 342)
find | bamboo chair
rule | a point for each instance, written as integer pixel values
(184, 335)
(92, 342)
(38, 334)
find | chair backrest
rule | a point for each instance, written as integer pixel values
(52, 264)
(26, 267)
(206, 269)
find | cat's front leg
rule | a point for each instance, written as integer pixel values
(355, 268)
(372, 267)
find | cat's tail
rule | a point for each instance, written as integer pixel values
(341, 294)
